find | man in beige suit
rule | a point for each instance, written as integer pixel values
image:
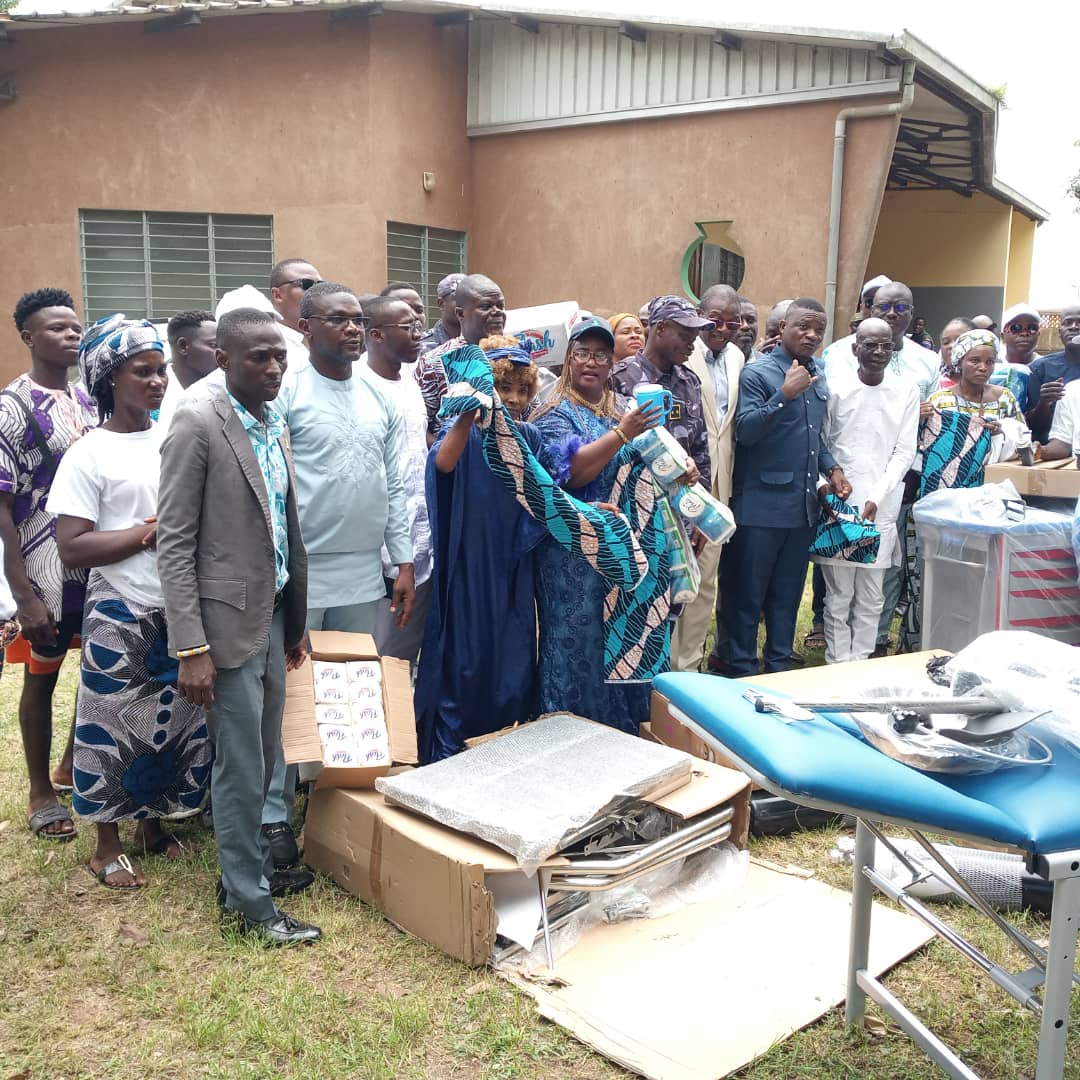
(233, 572)
(717, 361)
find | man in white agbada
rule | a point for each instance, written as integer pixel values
(871, 426)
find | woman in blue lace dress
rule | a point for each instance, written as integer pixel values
(584, 425)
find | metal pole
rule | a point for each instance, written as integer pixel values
(862, 895)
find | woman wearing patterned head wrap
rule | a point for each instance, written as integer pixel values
(141, 750)
(974, 354)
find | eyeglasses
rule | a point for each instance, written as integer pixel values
(1022, 328)
(338, 321)
(882, 347)
(901, 307)
(732, 326)
(305, 283)
(581, 355)
(414, 327)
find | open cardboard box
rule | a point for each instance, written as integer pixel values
(300, 732)
(694, 995)
(1050, 479)
(436, 882)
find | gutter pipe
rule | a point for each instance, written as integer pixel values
(895, 108)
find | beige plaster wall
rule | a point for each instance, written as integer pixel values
(603, 214)
(326, 126)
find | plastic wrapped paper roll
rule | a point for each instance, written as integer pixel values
(333, 714)
(331, 693)
(327, 673)
(364, 671)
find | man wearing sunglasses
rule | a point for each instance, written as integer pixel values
(289, 280)
(351, 499)
(1016, 352)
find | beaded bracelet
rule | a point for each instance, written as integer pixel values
(184, 654)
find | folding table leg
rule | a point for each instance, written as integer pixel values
(862, 895)
(1057, 987)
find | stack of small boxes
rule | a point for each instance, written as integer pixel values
(349, 712)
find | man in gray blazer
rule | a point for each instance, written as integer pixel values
(234, 573)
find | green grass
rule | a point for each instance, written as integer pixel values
(79, 999)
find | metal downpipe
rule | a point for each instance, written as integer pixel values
(836, 199)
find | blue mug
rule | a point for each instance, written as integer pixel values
(653, 394)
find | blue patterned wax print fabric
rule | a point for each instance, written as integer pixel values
(628, 550)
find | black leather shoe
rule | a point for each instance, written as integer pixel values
(282, 844)
(288, 882)
(281, 929)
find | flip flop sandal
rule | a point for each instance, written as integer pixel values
(41, 819)
(121, 862)
(815, 639)
(162, 844)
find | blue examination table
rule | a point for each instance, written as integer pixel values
(824, 763)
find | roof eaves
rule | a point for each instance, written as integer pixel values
(1000, 190)
(124, 12)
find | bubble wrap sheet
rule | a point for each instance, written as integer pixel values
(529, 791)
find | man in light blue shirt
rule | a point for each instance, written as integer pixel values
(344, 437)
(345, 447)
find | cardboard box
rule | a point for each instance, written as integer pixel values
(435, 882)
(1050, 479)
(300, 733)
(694, 995)
(544, 330)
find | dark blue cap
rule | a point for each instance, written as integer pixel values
(593, 325)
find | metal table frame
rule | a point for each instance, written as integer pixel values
(1052, 968)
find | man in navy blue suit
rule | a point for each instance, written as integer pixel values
(780, 460)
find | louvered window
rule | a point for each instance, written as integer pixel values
(423, 256)
(152, 265)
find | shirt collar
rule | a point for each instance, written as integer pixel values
(650, 369)
(275, 426)
(783, 358)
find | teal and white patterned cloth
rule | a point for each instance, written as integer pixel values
(628, 550)
(265, 441)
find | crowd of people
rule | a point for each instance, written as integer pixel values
(320, 459)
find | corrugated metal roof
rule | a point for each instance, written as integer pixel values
(943, 76)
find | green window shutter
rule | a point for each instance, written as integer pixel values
(423, 256)
(152, 265)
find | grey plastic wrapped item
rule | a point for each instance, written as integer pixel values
(989, 562)
(929, 750)
(529, 791)
(693, 880)
(998, 877)
(1024, 670)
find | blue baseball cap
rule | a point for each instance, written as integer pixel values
(593, 325)
(677, 309)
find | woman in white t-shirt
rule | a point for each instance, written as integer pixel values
(141, 750)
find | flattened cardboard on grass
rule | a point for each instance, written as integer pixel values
(703, 992)
(300, 731)
(695, 995)
(432, 881)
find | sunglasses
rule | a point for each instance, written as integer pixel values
(338, 321)
(305, 283)
(1022, 328)
(899, 306)
(732, 326)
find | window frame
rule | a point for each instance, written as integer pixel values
(146, 219)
